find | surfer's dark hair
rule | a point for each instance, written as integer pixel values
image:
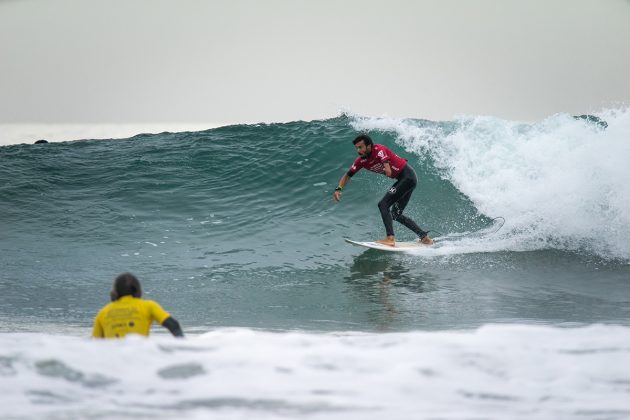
(363, 137)
(126, 284)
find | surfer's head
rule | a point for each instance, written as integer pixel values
(125, 284)
(363, 144)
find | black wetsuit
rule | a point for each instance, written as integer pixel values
(397, 198)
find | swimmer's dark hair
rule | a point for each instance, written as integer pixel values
(126, 284)
(366, 139)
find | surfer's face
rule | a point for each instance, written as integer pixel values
(362, 149)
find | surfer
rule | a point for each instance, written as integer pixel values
(378, 158)
(129, 314)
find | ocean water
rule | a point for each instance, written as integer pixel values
(233, 230)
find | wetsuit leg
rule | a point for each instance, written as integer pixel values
(397, 215)
(393, 195)
(397, 198)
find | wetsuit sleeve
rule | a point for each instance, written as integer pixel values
(356, 165)
(173, 326)
(97, 331)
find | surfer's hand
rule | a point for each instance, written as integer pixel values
(337, 195)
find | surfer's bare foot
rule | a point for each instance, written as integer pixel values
(390, 241)
(426, 240)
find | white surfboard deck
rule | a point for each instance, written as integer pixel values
(399, 247)
(497, 223)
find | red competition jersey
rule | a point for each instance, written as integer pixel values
(380, 155)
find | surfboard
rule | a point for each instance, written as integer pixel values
(497, 223)
(399, 247)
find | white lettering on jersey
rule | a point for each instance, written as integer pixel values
(378, 168)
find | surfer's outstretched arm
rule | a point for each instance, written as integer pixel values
(342, 183)
(173, 326)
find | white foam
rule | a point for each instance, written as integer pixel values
(559, 183)
(494, 372)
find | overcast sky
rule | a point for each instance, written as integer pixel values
(132, 61)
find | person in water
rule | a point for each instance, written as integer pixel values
(378, 158)
(129, 314)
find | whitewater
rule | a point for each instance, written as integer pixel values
(234, 231)
(495, 372)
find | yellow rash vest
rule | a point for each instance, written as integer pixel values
(128, 315)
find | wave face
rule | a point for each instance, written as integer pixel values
(236, 225)
(561, 181)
